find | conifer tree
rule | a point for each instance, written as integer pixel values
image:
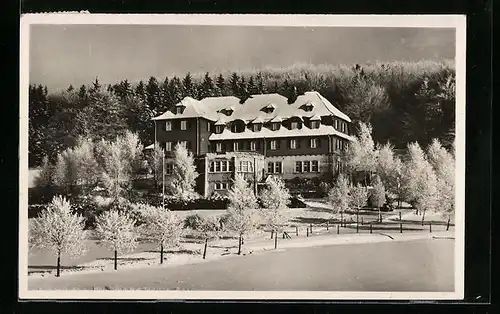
(175, 88)
(221, 86)
(207, 87)
(234, 84)
(153, 96)
(188, 87)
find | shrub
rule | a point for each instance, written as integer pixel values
(193, 222)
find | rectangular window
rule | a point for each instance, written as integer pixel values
(277, 167)
(253, 145)
(294, 125)
(246, 166)
(221, 186)
(183, 125)
(274, 145)
(275, 126)
(293, 144)
(218, 147)
(168, 146)
(223, 166)
(314, 124)
(257, 127)
(169, 168)
(306, 166)
(212, 166)
(219, 129)
(270, 167)
(336, 124)
(298, 166)
(168, 126)
(236, 146)
(208, 127)
(183, 144)
(178, 109)
(217, 166)
(315, 166)
(314, 143)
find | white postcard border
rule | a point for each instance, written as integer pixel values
(428, 21)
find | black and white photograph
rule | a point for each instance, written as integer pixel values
(242, 156)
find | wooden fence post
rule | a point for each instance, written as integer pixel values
(448, 224)
(430, 227)
(338, 229)
(296, 231)
(400, 227)
(307, 231)
(370, 227)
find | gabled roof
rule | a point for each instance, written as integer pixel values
(251, 108)
(315, 118)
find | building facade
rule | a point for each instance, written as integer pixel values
(258, 136)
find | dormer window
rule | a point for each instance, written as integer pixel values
(308, 107)
(178, 110)
(257, 124)
(228, 111)
(219, 129)
(238, 126)
(269, 108)
(314, 122)
(294, 125)
(275, 126)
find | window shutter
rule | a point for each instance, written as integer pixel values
(278, 144)
(298, 143)
(268, 144)
(188, 145)
(318, 142)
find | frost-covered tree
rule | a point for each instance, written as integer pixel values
(338, 196)
(443, 164)
(87, 166)
(182, 180)
(389, 168)
(361, 155)
(46, 174)
(358, 198)
(115, 177)
(162, 227)
(210, 229)
(419, 181)
(131, 150)
(66, 170)
(59, 230)
(116, 230)
(155, 162)
(378, 195)
(243, 215)
(275, 198)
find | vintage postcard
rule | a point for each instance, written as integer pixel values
(264, 157)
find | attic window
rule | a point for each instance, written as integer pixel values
(257, 127)
(269, 108)
(308, 107)
(228, 111)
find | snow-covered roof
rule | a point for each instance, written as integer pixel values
(282, 132)
(210, 107)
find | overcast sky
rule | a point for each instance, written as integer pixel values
(75, 54)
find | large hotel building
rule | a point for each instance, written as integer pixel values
(259, 136)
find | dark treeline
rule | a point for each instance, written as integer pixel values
(403, 101)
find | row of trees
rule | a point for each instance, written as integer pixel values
(62, 230)
(112, 166)
(425, 179)
(405, 102)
